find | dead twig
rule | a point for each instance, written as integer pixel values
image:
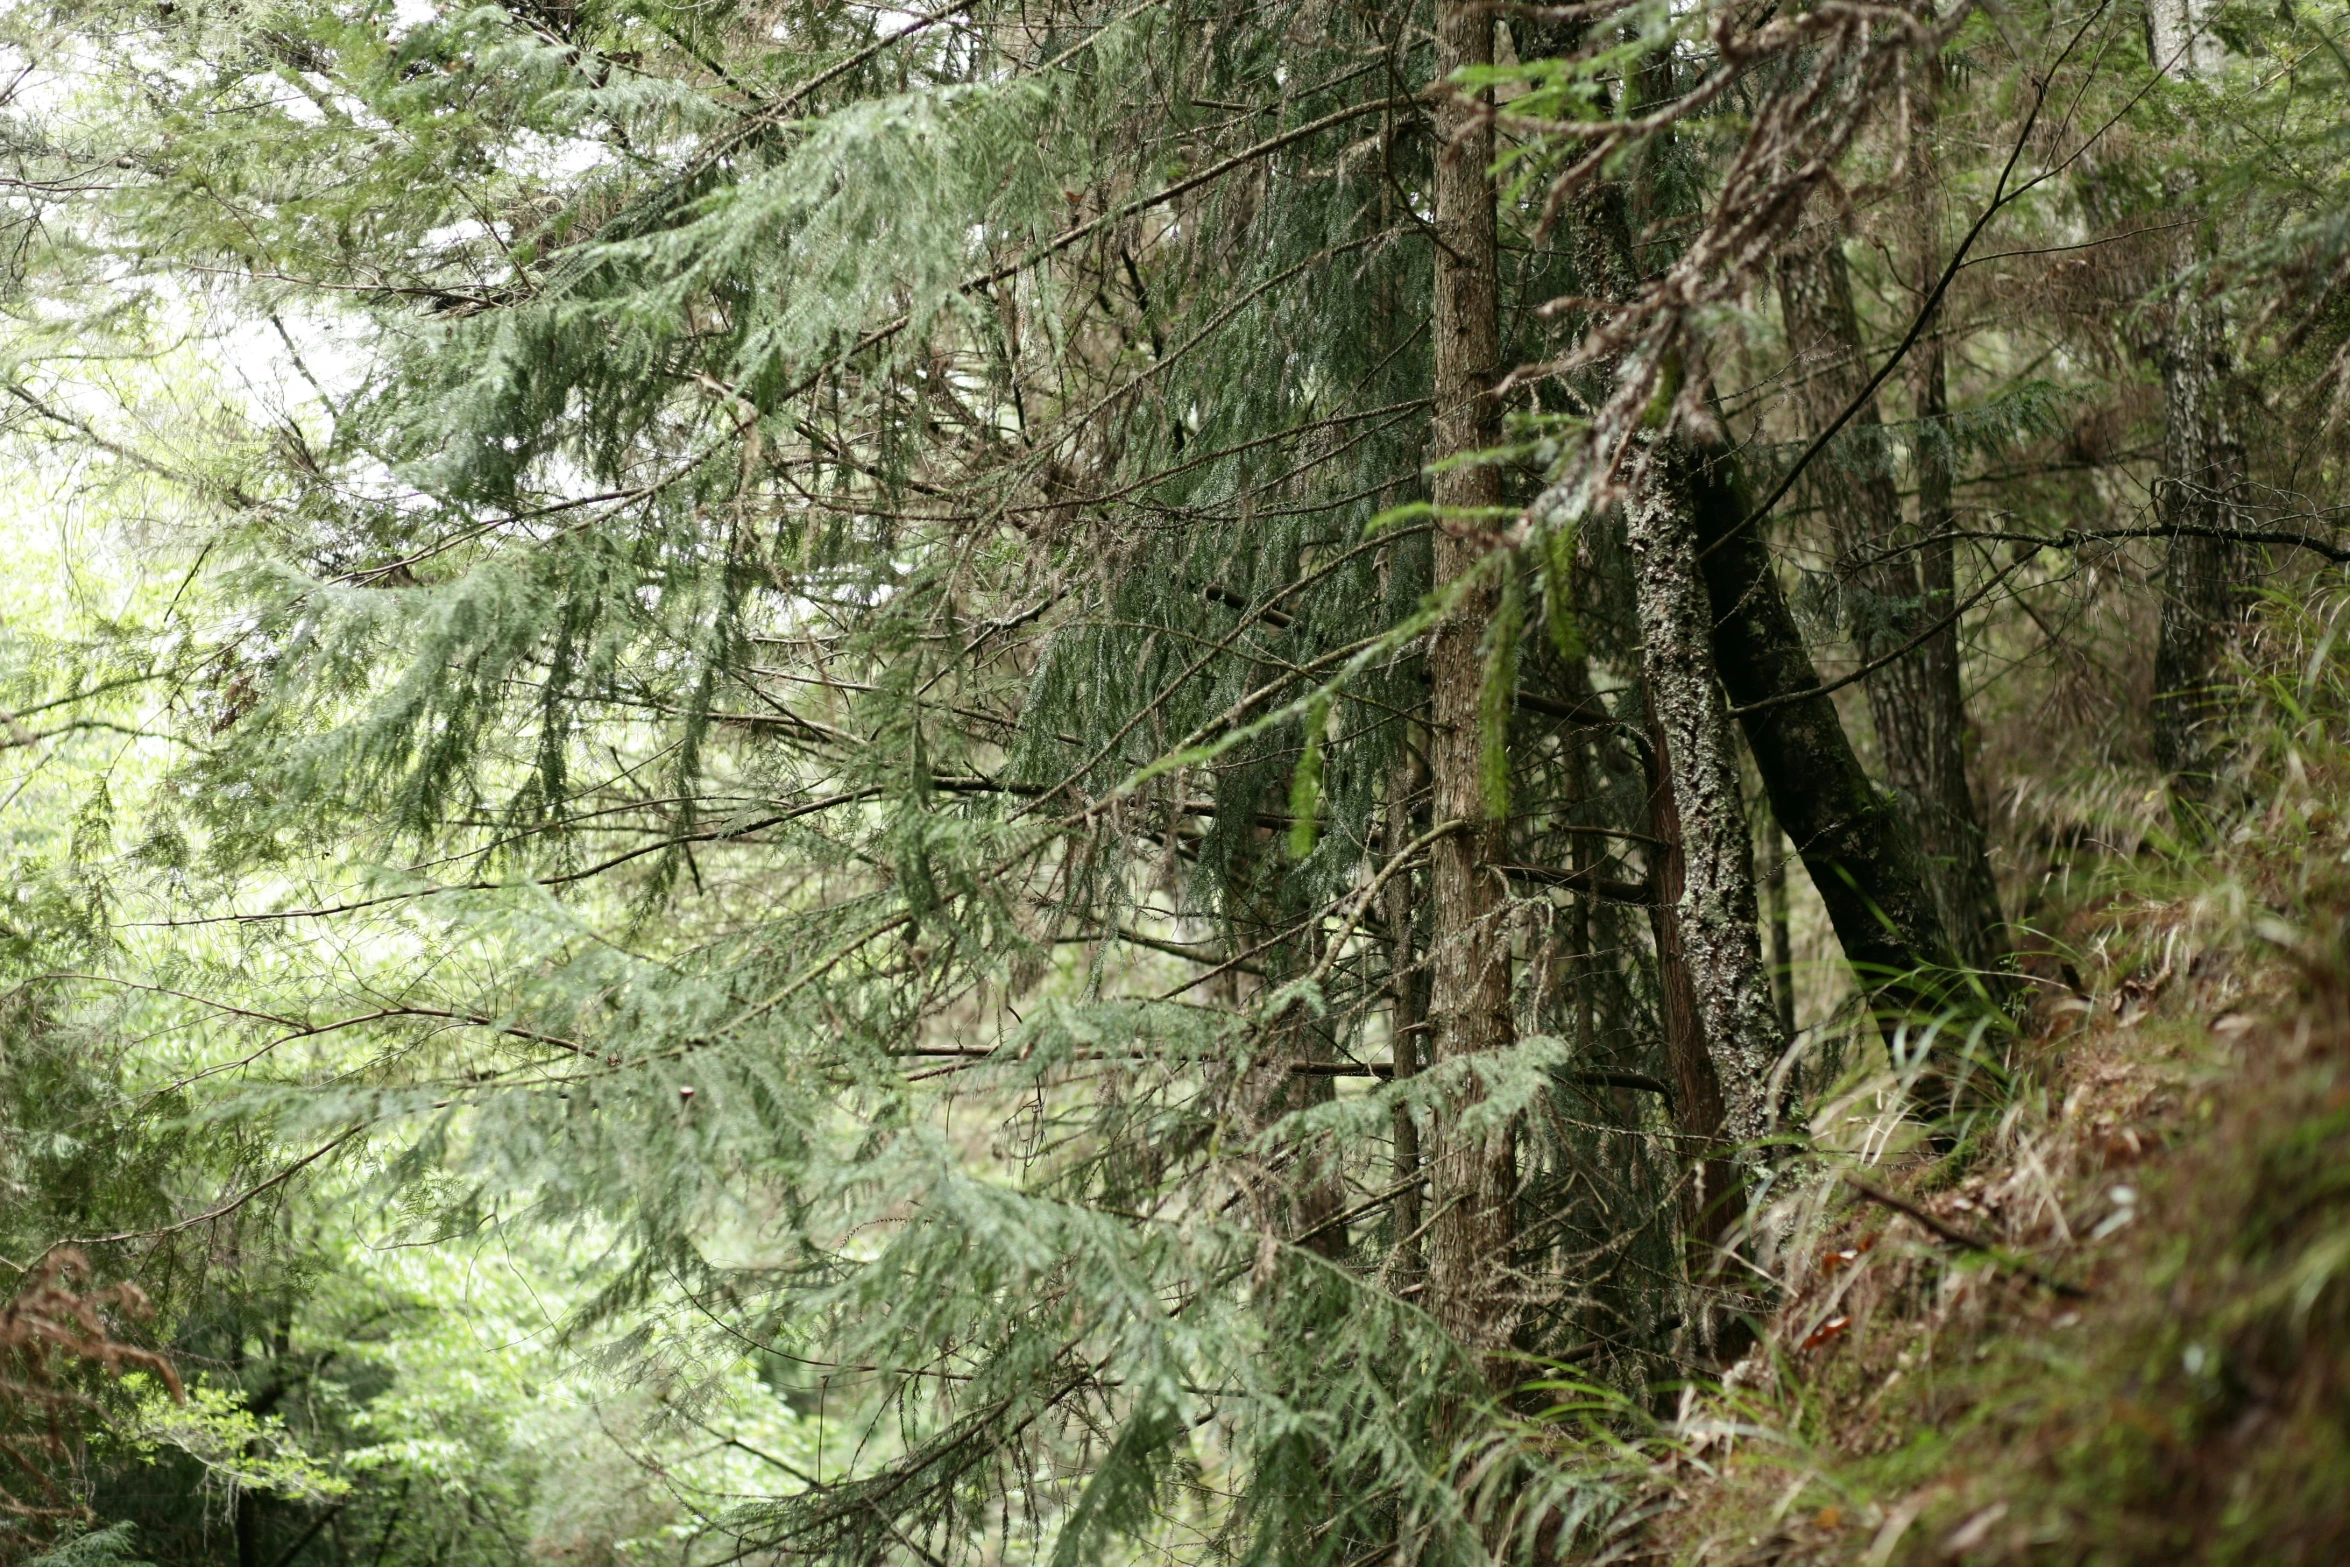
(1966, 1239)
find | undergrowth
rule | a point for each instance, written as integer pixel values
(2127, 1337)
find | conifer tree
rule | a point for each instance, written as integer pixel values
(1029, 711)
(2202, 458)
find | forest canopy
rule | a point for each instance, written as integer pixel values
(1336, 783)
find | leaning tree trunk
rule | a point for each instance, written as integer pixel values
(1600, 236)
(1720, 928)
(1851, 838)
(1914, 695)
(1472, 1177)
(1713, 1190)
(2202, 463)
(1847, 830)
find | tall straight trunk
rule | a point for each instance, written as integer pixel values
(2203, 466)
(2203, 475)
(1914, 697)
(1720, 928)
(1408, 1006)
(1472, 1176)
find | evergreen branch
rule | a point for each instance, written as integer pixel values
(715, 835)
(1868, 391)
(572, 823)
(1279, 936)
(303, 1029)
(1869, 667)
(137, 459)
(1154, 943)
(409, 562)
(2001, 199)
(1341, 1220)
(1197, 746)
(224, 1209)
(830, 961)
(1081, 232)
(9, 719)
(2087, 244)
(1222, 645)
(1183, 187)
(1396, 863)
(19, 736)
(1632, 894)
(771, 113)
(1216, 323)
(1102, 498)
(2074, 538)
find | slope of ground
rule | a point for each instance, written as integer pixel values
(2114, 1327)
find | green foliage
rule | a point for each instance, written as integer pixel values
(756, 659)
(238, 1449)
(115, 1543)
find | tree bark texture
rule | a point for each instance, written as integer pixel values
(1472, 1178)
(1849, 833)
(2202, 486)
(1850, 836)
(1720, 928)
(1713, 1200)
(1847, 830)
(2180, 39)
(1600, 237)
(1409, 1010)
(1915, 700)
(2202, 462)
(1775, 909)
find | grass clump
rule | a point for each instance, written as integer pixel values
(2176, 1146)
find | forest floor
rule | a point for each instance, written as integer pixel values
(2125, 1335)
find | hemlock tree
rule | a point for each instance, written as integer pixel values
(1046, 708)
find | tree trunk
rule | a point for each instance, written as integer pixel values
(1720, 928)
(1473, 1178)
(1714, 1193)
(1957, 836)
(1409, 1009)
(2202, 478)
(1721, 1031)
(1775, 909)
(1683, 699)
(2202, 463)
(1914, 699)
(1851, 838)
(1848, 831)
